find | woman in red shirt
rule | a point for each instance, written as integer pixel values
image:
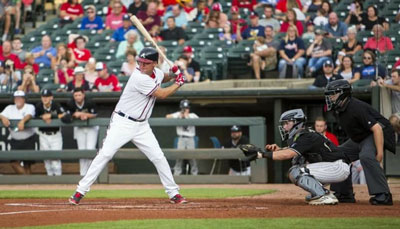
(79, 53)
(69, 11)
(291, 19)
(283, 5)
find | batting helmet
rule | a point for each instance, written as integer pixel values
(148, 55)
(297, 116)
(184, 104)
(340, 87)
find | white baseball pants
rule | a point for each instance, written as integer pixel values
(186, 143)
(329, 172)
(122, 130)
(86, 138)
(51, 142)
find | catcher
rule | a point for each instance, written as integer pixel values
(316, 160)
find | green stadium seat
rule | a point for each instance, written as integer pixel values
(208, 70)
(45, 75)
(238, 58)
(51, 86)
(362, 36)
(115, 66)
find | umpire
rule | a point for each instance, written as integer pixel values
(50, 138)
(369, 134)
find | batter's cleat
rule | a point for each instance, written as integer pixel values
(76, 198)
(327, 199)
(345, 198)
(382, 199)
(178, 199)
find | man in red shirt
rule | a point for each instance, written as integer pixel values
(7, 55)
(80, 53)
(249, 4)
(236, 20)
(149, 18)
(105, 82)
(321, 127)
(69, 11)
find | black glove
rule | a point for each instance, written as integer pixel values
(67, 118)
(252, 152)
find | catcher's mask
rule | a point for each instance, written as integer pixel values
(342, 90)
(297, 117)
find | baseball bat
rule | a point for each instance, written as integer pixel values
(146, 34)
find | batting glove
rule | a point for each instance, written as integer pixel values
(180, 79)
(175, 71)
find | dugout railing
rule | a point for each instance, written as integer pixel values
(257, 135)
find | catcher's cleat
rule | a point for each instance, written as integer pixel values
(327, 199)
(178, 199)
(76, 198)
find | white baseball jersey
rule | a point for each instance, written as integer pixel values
(188, 131)
(137, 99)
(11, 112)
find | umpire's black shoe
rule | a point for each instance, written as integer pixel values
(345, 198)
(382, 199)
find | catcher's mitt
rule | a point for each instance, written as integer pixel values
(251, 151)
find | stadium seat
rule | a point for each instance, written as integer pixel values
(238, 58)
(115, 66)
(208, 70)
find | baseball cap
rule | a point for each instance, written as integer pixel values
(217, 7)
(320, 32)
(328, 63)
(234, 9)
(253, 14)
(100, 66)
(19, 93)
(235, 128)
(126, 17)
(46, 92)
(188, 49)
(78, 70)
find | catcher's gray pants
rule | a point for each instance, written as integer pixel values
(366, 152)
(186, 143)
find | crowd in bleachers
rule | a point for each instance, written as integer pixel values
(225, 39)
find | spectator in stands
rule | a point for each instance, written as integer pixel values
(227, 34)
(309, 34)
(44, 53)
(79, 80)
(90, 72)
(183, 64)
(283, 5)
(10, 7)
(21, 138)
(200, 12)
(355, 13)
(173, 32)
(237, 167)
(350, 47)
(70, 11)
(92, 21)
(193, 64)
(267, 55)
(378, 41)
(28, 83)
(368, 70)
(291, 19)
(62, 74)
(319, 51)
(178, 14)
(321, 127)
(8, 55)
(7, 74)
(149, 18)
(328, 76)
(336, 28)
(312, 6)
(50, 138)
(30, 60)
(217, 18)
(129, 65)
(347, 70)
(291, 51)
(395, 122)
(114, 20)
(235, 21)
(62, 54)
(321, 19)
(106, 82)
(17, 49)
(268, 19)
(394, 85)
(80, 54)
(327, 7)
(82, 108)
(163, 65)
(253, 31)
(119, 34)
(136, 6)
(132, 42)
(371, 18)
(3, 76)
(249, 4)
(111, 8)
(212, 20)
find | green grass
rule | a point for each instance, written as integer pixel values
(361, 223)
(142, 193)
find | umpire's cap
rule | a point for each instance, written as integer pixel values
(235, 128)
(148, 55)
(184, 104)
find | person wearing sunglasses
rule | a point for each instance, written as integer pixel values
(92, 21)
(368, 70)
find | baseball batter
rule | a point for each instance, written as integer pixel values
(129, 122)
(316, 160)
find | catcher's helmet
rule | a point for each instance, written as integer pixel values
(148, 55)
(295, 115)
(185, 104)
(340, 87)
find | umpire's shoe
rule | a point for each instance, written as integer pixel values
(382, 199)
(76, 198)
(345, 198)
(178, 199)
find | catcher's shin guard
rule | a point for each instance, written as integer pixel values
(300, 177)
